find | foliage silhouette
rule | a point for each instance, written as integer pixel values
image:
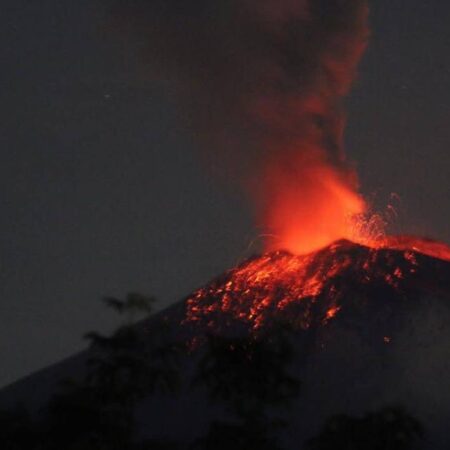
(239, 435)
(249, 376)
(390, 428)
(97, 412)
(123, 369)
(17, 430)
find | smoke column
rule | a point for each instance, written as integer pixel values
(260, 83)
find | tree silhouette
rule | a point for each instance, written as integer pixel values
(250, 377)
(17, 430)
(390, 428)
(124, 368)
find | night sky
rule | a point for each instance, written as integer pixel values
(103, 191)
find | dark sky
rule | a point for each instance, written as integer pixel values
(103, 192)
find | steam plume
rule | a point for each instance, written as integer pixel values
(260, 82)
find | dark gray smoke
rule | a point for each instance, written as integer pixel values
(260, 83)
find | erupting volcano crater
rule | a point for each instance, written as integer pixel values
(312, 289)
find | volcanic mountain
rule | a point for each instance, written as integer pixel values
(308, 290)
(369, 326)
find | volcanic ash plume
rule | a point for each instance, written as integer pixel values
(260, 82)
(308, 198)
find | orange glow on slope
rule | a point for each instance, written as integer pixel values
(303, 289)
(425, 246)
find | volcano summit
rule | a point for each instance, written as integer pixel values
(311, 289)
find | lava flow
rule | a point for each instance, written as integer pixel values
(311, 289)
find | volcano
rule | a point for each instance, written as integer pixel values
(308, 290)
(370, 328)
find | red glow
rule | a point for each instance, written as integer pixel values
(309, 204)
(322, 246)
(310, 285)
(425, 246)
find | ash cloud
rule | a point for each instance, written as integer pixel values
(260, 84)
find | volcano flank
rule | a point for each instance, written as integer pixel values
(308, 290)
(368, 327)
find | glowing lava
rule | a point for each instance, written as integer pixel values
(425, 246)
(302, 289)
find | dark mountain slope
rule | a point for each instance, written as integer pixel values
(369, 328)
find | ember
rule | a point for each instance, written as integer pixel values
(279, 282)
